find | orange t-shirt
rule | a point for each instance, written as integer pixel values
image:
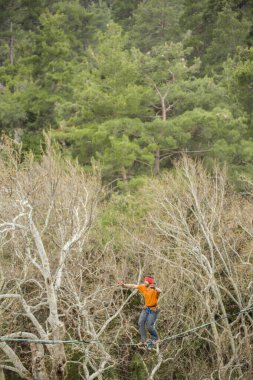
(150, 295)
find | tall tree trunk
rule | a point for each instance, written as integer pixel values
(157, 162)
(164, 118)
(57, 351)
(18, 133)
(124, 173)
(58, 354)
(2, 377)
(11, 46)
(164, 109)
(38, 362)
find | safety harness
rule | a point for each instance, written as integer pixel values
(151, 308)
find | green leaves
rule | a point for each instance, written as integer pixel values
(108, 83)
(175, 81)
(12, 112)
(240, 71)
(229, 32)
(156, 22)
(117, 144)
(122, 11)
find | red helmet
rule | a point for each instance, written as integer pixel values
(149, 279)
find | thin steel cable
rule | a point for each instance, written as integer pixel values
(191, 331)
(168, 338)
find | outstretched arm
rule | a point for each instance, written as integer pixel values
(127, 286)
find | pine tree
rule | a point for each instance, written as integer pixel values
(122, 11)
(156, 22)
(228, 33)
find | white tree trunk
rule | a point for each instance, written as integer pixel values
(2, 377)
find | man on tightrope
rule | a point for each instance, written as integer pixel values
(150, 310)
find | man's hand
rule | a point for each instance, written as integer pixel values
(127, 286)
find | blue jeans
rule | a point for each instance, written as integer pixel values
(149, 318)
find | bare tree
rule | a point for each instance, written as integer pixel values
(201, 224)
(47, 209)
(58, 275)
(198, 238)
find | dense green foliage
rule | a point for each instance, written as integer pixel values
(130, 83)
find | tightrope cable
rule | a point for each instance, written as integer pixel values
(44, 341)
(168, 338)
(191, 331)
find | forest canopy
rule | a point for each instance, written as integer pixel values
(130, 84)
